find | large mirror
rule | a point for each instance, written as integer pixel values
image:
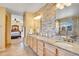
(68, 28)
(65, 28)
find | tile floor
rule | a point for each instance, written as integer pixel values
(17, 49)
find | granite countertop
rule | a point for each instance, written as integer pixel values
(70, 47)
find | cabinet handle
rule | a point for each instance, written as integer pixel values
(44, 49)
(56, 52)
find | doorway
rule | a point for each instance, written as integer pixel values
(17, 30)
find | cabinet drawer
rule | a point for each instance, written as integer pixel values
(40, 52)
(50, 48)
(40, 45)
(62, 52)
(49, 53)
(35, 50)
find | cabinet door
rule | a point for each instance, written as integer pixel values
(34, 42)
(40, 48)
(50, 50)
(28, 40)
(40, 52)
(62, 52)
(31, 43)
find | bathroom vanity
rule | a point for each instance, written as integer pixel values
(43, 46)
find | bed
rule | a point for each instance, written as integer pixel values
(15, 33)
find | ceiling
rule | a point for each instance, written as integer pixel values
(19, 8)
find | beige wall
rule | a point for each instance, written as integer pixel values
(28, 24)
(2, 28)
(37, 25)
(28, 20)
(32, 24)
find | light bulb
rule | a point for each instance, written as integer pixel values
(60, 5)
(38, 17)
(67, 4)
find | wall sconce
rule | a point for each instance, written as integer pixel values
(38, 17)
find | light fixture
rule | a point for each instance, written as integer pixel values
(62, 5)
(67, 4)
(38, 17)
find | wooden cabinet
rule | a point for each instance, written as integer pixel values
(50, 50)
(34, 45)
(30, 41)
(40, 48)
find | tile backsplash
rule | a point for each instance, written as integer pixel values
(48, 27)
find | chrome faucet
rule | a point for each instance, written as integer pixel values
(68, 40)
